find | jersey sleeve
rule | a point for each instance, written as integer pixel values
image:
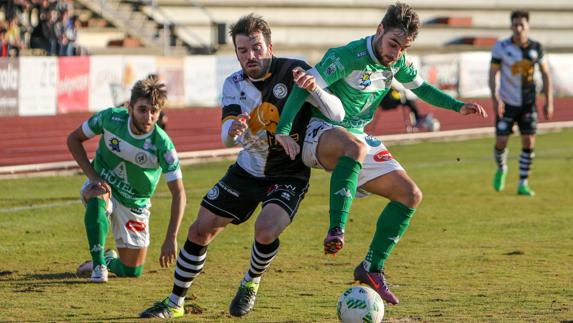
(95, 124)
(169, 162)
(408, 74)
(230, 100)
(335, 65)
(496, 54)
(541, 54)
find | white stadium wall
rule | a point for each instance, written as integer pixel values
(49, 85)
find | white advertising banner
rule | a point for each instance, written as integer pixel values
(441, 71)
(200, 81)
(474, 74)
(106, 73)
(561, 69)
(135, 68)
(226, 65)
(38, 86)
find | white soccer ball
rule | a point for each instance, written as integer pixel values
(360, 304)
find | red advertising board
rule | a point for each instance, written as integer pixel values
(73, 84)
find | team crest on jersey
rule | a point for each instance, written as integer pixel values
(280, 91)
(213, 193)
(140, 158)
(114, 144)
(365, 80)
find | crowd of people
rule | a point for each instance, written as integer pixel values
(48, 26)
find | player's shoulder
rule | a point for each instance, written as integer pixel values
(534, 44)
(290, 63)
(235, 78)
(114, 114)
(161, 139)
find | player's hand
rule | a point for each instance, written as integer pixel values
(498, 108)
(290, 146)
(548, 111)
(239, 125)
(473, 108)
(303, 79)
(168, 253)
(100, 186)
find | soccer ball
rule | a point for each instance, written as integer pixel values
(360, 304)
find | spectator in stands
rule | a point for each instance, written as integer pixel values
(13, 37)
(3, 43)
(69, 37)
(515, 58)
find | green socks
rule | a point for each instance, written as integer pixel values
(117, 267)
(343, 184)
(96, 227)
(391, 225)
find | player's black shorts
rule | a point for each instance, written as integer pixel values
(525, 116)
(238, 193)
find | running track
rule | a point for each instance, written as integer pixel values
(33, 140)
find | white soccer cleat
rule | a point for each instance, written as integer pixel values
(99, 274)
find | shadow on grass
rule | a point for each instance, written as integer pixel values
(46, 279)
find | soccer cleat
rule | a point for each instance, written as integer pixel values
(377, 281)
(244, 300)
(499, 180)
(85, 269)
(109, 255)
(525, 191)
(99, 274)
(334, 241)
(163, 310)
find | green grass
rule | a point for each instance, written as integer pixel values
(470, 254)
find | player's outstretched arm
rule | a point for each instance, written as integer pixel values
(437, 97)
(178, 201)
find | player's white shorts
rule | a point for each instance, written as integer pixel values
(130, 226)
(378, 161)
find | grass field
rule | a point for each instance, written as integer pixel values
(470, 255)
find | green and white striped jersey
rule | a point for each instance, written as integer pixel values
(354, 74)
(131, 164)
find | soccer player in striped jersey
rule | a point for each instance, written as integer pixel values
(263, 174)
(515, 58)
(360, 74)
(132, 154)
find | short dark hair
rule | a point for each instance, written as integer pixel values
(518, 14)
(149, 88)
(250, 24)
(402, 16)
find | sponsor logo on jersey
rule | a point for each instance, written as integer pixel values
(114, 144)
(280, 91)
(238, 77)
(117, 119)
(533, 54)
(136, 226)
(330, 69)
(140, 158)
(228, 189)
(243, 96)
(213, 193)
(362, 53)
(383, 156)
(372, 142)
(265, 116)
(170, 157)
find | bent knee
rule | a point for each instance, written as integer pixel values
(356, 150)
(414, 197)
(266, 234)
